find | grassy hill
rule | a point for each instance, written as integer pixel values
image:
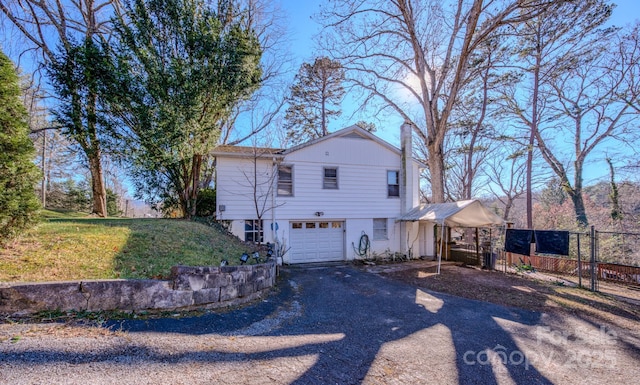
(68, 247)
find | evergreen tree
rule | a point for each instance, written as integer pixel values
(112, 204)
(64, 38)
(18, 174)
(78, 74)
(553, 194)
(183, 65)
(317, 88)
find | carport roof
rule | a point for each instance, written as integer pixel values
(469, 213)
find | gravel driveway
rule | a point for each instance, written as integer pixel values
(329, 325)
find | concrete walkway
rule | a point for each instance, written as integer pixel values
(339, 325)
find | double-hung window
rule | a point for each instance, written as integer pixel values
(285, 180)
(380, 229)
(330, 179)
(393, 183)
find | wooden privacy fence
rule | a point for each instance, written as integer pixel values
(611, 272)
(558, 265)
(619, 273)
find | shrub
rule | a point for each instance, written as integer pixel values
(206, 203)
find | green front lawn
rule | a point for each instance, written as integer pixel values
(88, 248)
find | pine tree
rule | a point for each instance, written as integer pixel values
(316, 89)
(18, 174)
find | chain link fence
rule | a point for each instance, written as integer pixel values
(593, 256)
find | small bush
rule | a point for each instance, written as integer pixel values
(206, 204)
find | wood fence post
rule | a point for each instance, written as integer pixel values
(579, 263)
(593, 258)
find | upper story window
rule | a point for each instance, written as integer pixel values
(393, 183)
(330, 180)
(285, 180)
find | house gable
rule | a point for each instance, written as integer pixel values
(351, 132)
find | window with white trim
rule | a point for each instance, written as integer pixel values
(330, 180)
(253, 231)
(380, 229)
(393, 183)
(285, 180)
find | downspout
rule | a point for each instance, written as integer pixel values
(274, 187)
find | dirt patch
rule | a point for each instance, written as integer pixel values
(536, 292)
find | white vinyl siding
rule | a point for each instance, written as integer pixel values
(362, 166)
(361, 193)
(235, 187)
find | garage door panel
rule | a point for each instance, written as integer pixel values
(316, 241)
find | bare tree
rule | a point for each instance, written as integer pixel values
(38, 124)
(265, 18)
(52, 25)
(507, 177)
(413, 57)
(593, 108)
(542, 46)
(473, 123)
(261, 178)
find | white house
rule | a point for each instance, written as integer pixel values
(322, 197)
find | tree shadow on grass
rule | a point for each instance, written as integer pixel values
(150, 247)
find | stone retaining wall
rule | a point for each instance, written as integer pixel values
(187, 288)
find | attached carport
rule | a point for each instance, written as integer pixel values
(467, 213)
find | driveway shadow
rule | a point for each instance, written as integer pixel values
(371, 314)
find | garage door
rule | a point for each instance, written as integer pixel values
(320, 241)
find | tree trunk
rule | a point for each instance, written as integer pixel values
(43, 195)
(576, 195)
(578, 204)
(468, 185)
(324, 115)
(507, 208)
(94, 153)
(532, 137)
(436, 169)
(529, 178)
(191, 187)
(97, 185)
